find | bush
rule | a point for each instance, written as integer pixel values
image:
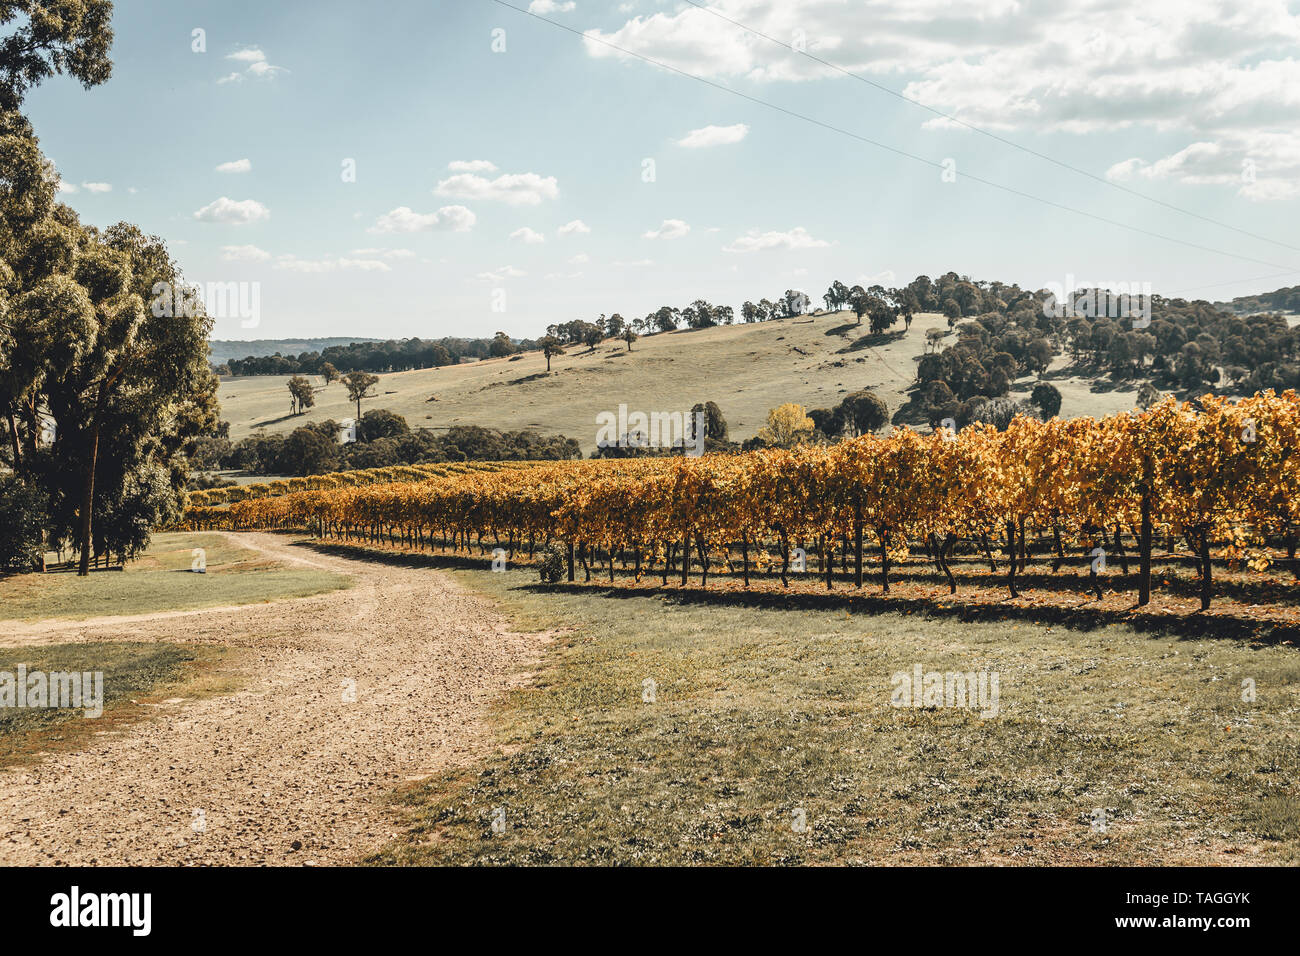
(552, 563)
(22, 515)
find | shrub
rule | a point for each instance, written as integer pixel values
(552, 563)
(22, 515)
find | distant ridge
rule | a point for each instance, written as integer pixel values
(223, 350)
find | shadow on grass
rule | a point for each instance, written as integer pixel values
(872, 340)
(1083, 618)
(1194, 626)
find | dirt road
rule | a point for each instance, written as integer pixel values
(291, 769)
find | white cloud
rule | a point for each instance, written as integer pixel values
(671, 229)
(543, 7)
(755, 241)
(292, 263)
(384, 253)
(404, 219)
(257, 65)
(517, 189)
(529, 236)
(580, 259)
(1222, 72)
(574, 227)
(1260, 166)
(97, 187)
(68, 188)
(233, 212)
(472, 166)
(505, 272)
(249, 55)
(707, 136)
(235, 166)
(244, 254)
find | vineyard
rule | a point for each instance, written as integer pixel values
(1215, 482)
(339, 479)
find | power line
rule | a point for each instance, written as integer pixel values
(893, 149)
(991, 135)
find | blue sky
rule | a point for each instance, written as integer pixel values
(470, 162)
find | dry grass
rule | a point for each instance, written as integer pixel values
(746, 369)
(137, 677)
(161, 580)
(763, 712)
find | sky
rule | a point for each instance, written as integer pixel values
(462, 167)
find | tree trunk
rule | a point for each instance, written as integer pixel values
(1011, 563)
(88, 501)
(1144, 553)
(570, 550)
(945, 548)
(13, 437)
(744, 557)
(1207, 582)
(857, 546)
(1119, 548)
(884, 561)
(988, 553)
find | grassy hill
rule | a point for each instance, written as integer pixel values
(747, 369)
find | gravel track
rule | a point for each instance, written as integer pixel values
(286, 771)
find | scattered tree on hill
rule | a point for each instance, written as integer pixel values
(859, 302)
(301, 397)
(358, 385)
(551, 347)
(501, 346)
(629, 337)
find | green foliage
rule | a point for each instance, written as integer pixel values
(863, 412)
(1047, 398)
(23, 517)
(381, 423)
(552, 563)
(55, 36)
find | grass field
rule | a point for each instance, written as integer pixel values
(136, 676)
(747, 369)
(1109, 746)
(161, 580)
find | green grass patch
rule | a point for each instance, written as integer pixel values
(136, 677)
(161, 580)
(772, 740)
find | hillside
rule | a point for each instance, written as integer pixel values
(223, 350)
(746, 368)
